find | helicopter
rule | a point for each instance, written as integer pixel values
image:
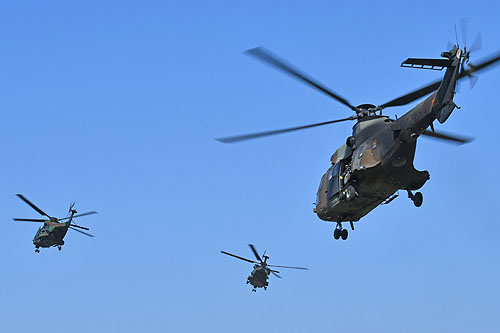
(54, 229)
(376, 161)
(260, 274)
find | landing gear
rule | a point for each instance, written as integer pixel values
(339, 232)
(254, 290)
(350, 193)
(417, 198)
(336, 233)
(37, 250)
(59, 247)
(265, 287)
(344, 234)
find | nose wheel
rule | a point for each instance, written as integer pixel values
(37, 250)
(417, 198)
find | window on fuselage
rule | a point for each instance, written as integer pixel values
(333, 180)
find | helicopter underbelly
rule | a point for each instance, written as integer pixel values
(374, 190)
(51, 239)
(374, 186)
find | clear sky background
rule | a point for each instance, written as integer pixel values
(115, 104)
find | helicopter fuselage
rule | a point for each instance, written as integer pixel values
(51, 234)
(377, 160)
(258, 277)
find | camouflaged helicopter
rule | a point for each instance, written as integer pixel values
(260, 274)
(53, 230)
(377, 159)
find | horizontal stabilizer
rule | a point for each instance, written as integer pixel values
(435, 64)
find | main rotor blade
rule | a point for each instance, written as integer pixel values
(32, 205)
(78, 215)
(256, 254)
(292, 267)
(412, 96)
(421, 92)
(452, 138)
(485, 63)
(30, 220)
(275, 273)
(243, 137)
(266, 56)
(79, 226)
(238, 257)
(82, 232)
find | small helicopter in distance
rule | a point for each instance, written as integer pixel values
(260, 274)
(376, 160)
(54, 229)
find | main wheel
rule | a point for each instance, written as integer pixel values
(336, 233)
(350, 193)
(344, 234)
(418, 199)
(350, 141)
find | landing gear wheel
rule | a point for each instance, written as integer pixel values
(344, 234)
(418, 199)
(350, 193)
(37, 250)
(59, 248)
(350, 141)
(336, 233)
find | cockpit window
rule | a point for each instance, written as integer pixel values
(319, 189)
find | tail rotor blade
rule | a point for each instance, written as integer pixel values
(477, 44)
(464, 23)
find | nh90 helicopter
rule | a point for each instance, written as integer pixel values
(377, 159)
(53, 230)
(260, 274)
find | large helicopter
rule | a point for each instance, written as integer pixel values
(376, 161)
(260, 274)
(53, 230)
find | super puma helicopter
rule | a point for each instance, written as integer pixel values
(260, 274)
(53, 231)
(377, 159)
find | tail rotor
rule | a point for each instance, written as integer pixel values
(476, 45)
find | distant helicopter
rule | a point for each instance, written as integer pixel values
(260, 274)
(377, 159)
(53, 230)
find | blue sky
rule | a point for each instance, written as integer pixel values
(115, 105)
